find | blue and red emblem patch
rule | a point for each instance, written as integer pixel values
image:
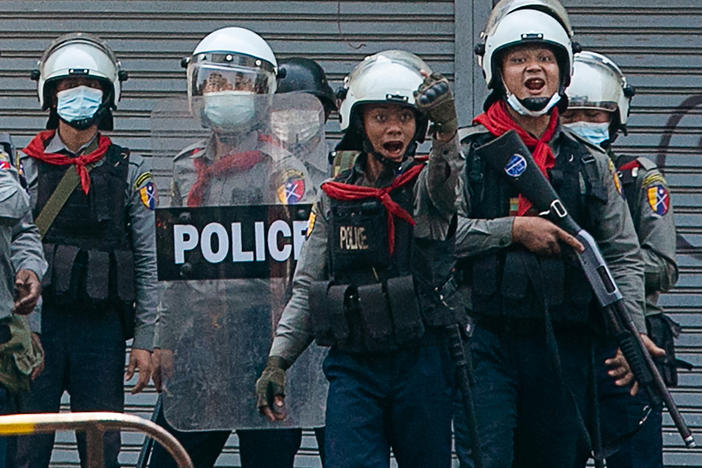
(658, 199)
(292, 189)
(148, 195)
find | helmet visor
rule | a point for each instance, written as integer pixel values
(206, 77)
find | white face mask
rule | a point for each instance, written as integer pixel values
(229, 110)
(594, 132)
(78, 104)
(295, 126)
(519, 108)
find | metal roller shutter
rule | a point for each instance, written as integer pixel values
(659, 47)
(150, 38)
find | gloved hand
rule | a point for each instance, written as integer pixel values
(435, 99)
(270, 389)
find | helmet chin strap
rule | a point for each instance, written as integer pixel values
(532, 107)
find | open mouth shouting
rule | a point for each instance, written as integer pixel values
(394, 149)
(535, 85)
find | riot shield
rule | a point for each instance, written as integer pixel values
(227, 245)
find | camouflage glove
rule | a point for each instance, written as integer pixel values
(435, 99)
(272, 382)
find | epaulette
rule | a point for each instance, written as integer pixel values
(342, 161)
(465, 132)
(646, 163)
(192, 149)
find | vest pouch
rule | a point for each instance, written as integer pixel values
(404, 308)
(63, 275)
(327, 304)
(376, 322)
(517, 298)
(97, 276)
(484, 295)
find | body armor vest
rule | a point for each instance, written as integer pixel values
(87, 245)
(514, 282)
(374, 301)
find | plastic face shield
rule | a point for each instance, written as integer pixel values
(211, 73)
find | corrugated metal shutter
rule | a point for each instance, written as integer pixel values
(659, 47)
(150, 37)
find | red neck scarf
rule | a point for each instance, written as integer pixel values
(498, 121)
(36, 150)
(346, 192)
(232, 163)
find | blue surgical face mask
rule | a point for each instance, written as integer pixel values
(77, 106)
(521, 109)
(595, 133)
(229, 110)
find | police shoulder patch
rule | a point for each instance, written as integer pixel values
(658, 198)
(291, 187)
(148, 195)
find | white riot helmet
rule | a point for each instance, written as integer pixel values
(388, 76)
(227, 68)
(517, 22)
(80, 55)
(599, 84)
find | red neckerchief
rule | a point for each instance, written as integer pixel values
(347, 192)
(229, 164)
(36, 149)
(498, 122)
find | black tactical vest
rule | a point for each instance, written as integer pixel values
(374, 301)
(88, 245)
(514, 282)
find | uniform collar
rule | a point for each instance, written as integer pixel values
(56, 145)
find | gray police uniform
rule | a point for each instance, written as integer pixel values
(20, 248)
(649, 201)
(531, 362)
(370, 394)
(101, 286)
(237, 306)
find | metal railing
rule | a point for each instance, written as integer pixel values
(94, 426)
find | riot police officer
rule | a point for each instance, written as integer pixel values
(21, 258)
(599, 100)
(299, 74)
(93, 203)
(532, 345)
(378, 243)
(231, 82)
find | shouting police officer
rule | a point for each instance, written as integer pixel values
(378, 242)
(598, 109)
(531, 346)
(94, 203)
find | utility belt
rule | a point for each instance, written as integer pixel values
(379, 317)
(19, 354)
(504, 285)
